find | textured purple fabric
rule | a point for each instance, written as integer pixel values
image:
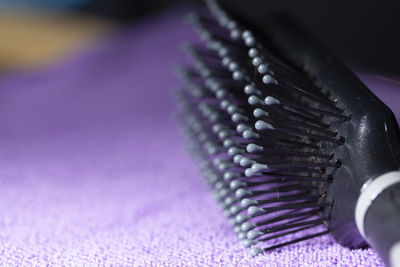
(93, 170)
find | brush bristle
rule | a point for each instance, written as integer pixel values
(258, 126)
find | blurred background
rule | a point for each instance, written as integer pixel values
(92, 166)
(36, 32)
(364, 33)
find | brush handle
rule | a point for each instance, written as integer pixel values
(378, 216)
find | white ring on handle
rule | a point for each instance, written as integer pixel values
(369, 192)
(394, 255)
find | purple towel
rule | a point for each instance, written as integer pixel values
(93, 169)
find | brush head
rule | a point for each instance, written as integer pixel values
(273, 138)
(372, 135)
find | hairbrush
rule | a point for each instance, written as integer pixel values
(292, 143)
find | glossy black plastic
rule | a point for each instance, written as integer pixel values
(372, 135)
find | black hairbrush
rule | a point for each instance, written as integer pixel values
(294, 145)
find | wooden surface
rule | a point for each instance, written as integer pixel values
(32, 38)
